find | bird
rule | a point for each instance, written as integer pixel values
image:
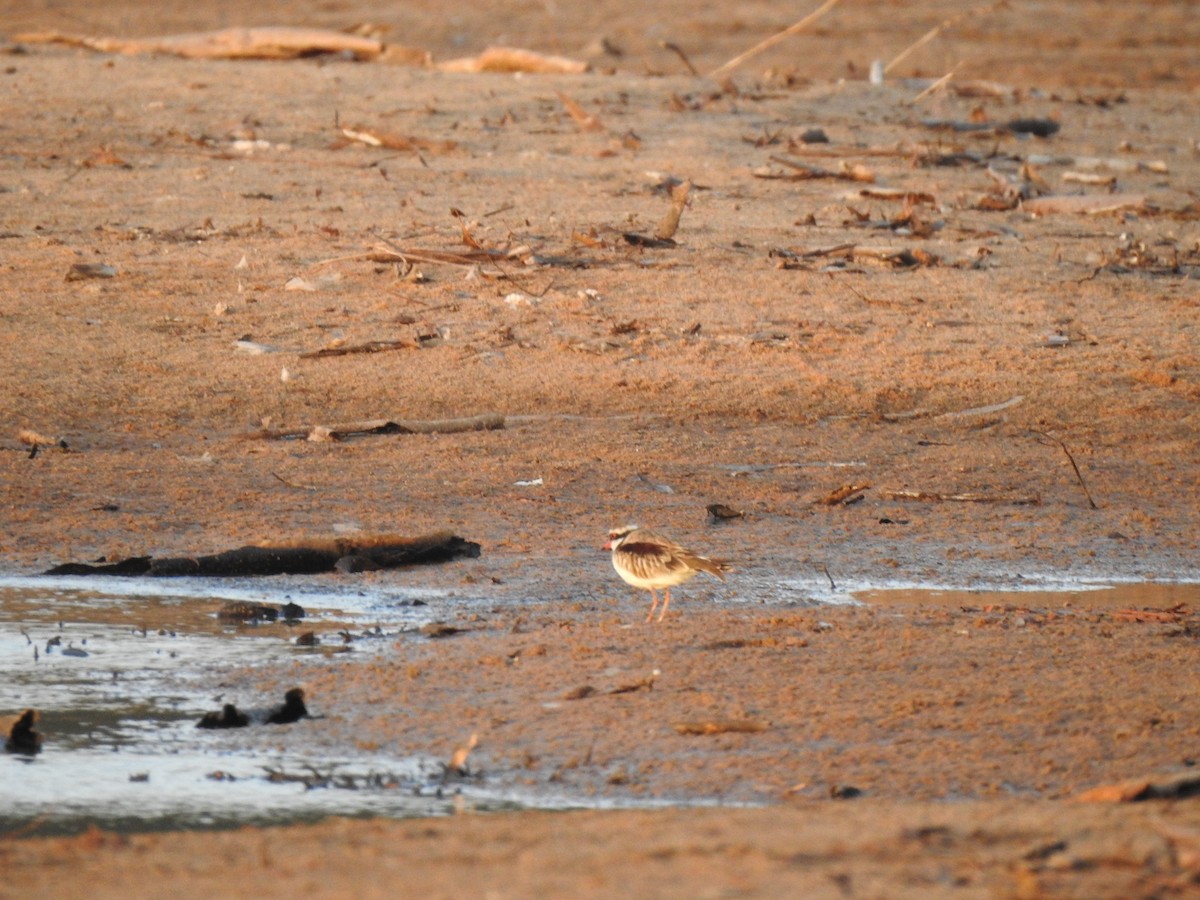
(648, 560)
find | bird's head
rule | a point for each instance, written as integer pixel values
(617, 535)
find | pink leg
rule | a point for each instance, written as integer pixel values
(667, 595)
(654, 597)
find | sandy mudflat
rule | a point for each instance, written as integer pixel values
(909, 330)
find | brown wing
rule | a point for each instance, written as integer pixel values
(648, 558)
(715, 567)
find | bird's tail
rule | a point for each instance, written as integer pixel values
(717, 567)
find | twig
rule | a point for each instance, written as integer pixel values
(967, 497)
(938, 29)
(485, 422)
(1078, 474)
(844, 495)
(678, 51)
(937, 85)
(774, 39)
(825, 569)
(292, 484)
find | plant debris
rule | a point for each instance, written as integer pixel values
(303, 558)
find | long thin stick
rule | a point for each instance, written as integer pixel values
(1078, 475)
(920, 42)
(775, 39)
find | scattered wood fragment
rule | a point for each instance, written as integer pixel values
(229, 717)
(35, 440)
(383, 252)
(272, 42)
(1169, 787)
(722, 726)
(1042, 128)
(774, 39)
(642, 684)
(242, 611)
(437, 630)
(965, 497)
(1084, 204)
(515, 59)
(844, 495)
(83, 271)
(585, 120)
(301, 558)
(367, 347)
(804, 171)
(642, 240)
(670, 222)
(373, 137)
(983, 410)
(1172, 615)
(719, 512)
(1094, 179)
(343, 430)
(293, 709)
(21, 734)
(1071, 459)
(678, 51)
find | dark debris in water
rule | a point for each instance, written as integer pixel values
(229, 717)
(293, 709)
(21, 735)
(303, 558)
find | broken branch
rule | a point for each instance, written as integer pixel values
(1071, 459)
(485, 422)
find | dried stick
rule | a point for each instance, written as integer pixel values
(966, 497)
(935, 31)
(485, 422)
(678, 51)
(1071, 459)
(774, 39)
(937, 85)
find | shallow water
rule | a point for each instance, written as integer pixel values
(120, 699)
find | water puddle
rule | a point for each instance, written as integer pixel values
(122, 670)
(1138, 595)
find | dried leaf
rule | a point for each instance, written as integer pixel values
(584, 119)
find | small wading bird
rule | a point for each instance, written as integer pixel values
(649, 561)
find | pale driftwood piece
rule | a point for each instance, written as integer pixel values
(514, 59)
(1086, 204)
(774, 39)
(1092, 178)
(966, 497)
(373, 137)
(485, 422)
(983, 410)
(276, 42)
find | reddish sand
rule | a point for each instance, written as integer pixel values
(781, 349)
